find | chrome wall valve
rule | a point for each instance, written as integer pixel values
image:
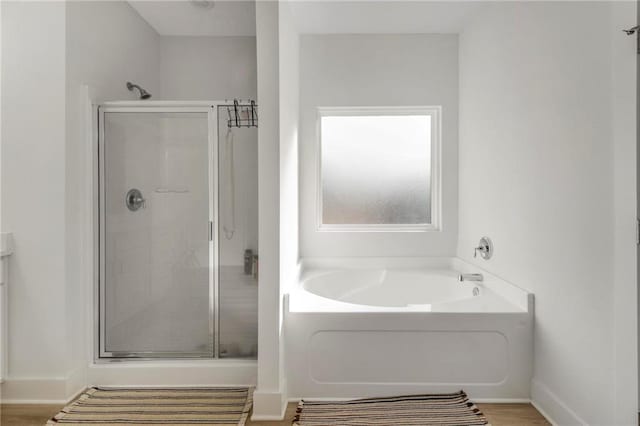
(485, 247)
(135, 200)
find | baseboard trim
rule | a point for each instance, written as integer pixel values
(178, 374)
(544, 413)
(552, 407)
(43, 390)
(34, 402)
(479, 400)
(54, 390)
(62, 390)
(501, 400)
(269, 406)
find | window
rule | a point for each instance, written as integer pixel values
(379, 169)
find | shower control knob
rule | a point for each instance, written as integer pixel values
(485, 247)
(135, 200)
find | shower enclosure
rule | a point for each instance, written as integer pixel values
(177, 219)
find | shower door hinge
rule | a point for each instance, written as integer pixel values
(210, 230)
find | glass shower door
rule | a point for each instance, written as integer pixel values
(237, 240)
(156, 207)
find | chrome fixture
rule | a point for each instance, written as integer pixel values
(485, 247)
(143, 93)
(470, 277)
(134, 200)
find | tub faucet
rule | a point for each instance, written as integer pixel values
(470, 277)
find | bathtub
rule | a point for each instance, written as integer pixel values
(376, 327)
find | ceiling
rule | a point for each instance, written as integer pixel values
(383, 17)
(237, 17)
(199, 18)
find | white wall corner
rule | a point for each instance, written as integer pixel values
(551, 407)
(269, 405)
(625, 267)
(76, 382)
(269, 395)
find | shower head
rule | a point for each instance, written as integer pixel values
(143, 93)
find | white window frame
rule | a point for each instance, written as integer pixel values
(435, 112)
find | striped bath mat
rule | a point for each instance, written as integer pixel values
(446, 409)
(177, 406)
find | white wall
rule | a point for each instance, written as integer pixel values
(289, 108)
(289, 56)
(378, 70)
(33, 191)
(108, 44)
(208, 68)
(46, 178)
(276, 48)
(537, 176)
(625, 119)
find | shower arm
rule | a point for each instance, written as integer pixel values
(143, 93)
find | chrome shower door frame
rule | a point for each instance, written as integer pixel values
(211, 109)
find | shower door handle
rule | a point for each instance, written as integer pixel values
(210, 230)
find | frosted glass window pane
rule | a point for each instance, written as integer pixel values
(376, 170)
